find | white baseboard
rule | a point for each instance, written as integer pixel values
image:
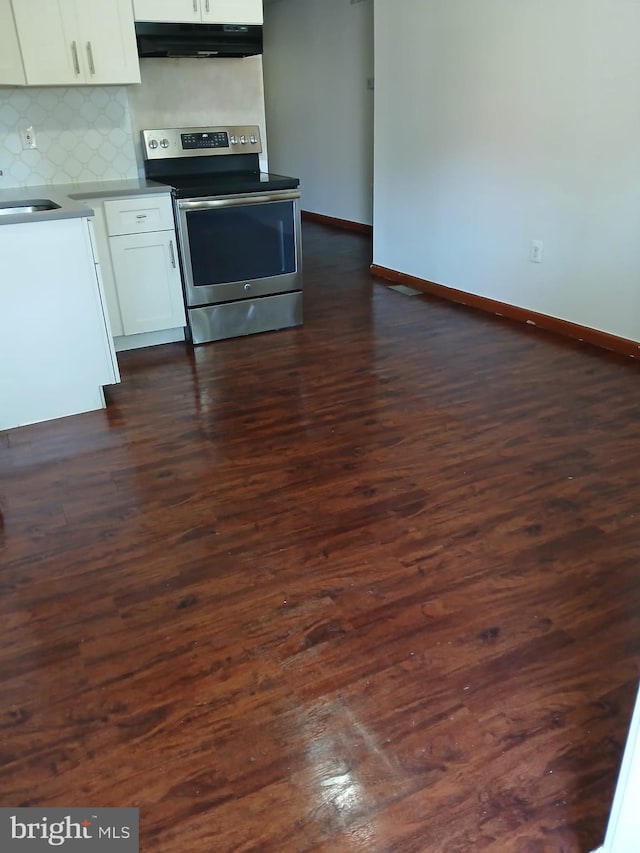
(148, 339)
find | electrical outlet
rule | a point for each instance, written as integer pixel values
(536, 248)
(29, 138)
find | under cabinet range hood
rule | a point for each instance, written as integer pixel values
(200, 41)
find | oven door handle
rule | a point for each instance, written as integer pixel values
(235, 200)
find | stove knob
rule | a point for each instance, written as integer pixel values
(253, 140)
(233, 140)
(243, 140)
(153, 144)
(164, 143)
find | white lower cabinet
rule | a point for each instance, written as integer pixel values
(139, 258)
(148, 281)
(55, 352)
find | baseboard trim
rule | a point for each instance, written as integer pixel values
(604, 340)
(148, 339)
(334, 222)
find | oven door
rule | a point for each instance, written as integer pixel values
(239, 246)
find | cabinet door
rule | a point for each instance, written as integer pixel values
(232, 11)
(178, 11)
(49, 42)
(11, 67)
(114, 373)
(148, 281)
(107, 41)
(104, 254)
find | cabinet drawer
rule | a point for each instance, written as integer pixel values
(139, 214)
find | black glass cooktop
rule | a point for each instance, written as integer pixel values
(199, 186)
(199, 177)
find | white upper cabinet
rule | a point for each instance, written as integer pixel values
(167, 11)
(109, 41)
(208, 11)
(49, 44)
(231, 11)
(66, 42)
(11, 68)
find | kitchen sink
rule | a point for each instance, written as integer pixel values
(37, 205)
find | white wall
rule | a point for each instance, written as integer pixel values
(198, 92)
(502, 121)
(317, 59)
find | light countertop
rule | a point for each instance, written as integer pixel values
(71, 199)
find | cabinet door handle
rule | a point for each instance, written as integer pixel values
(206, 5)
(173, 254)
(195, 5)
(76, 61)
(92, 66)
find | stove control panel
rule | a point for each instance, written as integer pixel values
(200, 141)
(203, 139)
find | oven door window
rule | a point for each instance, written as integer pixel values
(239, 243)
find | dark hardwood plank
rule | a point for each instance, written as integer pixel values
(367, 584)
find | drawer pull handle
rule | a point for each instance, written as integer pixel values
(76, 61)
(92, 66)
(141, 216)
(173, 254)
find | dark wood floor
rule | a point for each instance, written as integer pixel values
(367, 585)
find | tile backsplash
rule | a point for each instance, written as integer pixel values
(91, 133)
(83, 133)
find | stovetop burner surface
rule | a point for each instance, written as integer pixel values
(210, 161)
(235, 183)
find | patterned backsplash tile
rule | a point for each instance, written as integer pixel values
(83, 133)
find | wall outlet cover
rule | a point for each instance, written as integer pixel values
(29, 138)
(536, 250)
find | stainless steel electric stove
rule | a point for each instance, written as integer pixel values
(238, 230)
